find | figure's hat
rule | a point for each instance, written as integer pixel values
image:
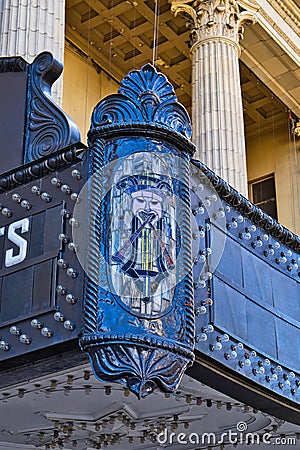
(161, 184)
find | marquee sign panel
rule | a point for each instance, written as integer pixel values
(41, 279)
(246, 280)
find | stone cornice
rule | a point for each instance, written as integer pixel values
(280, 32)
(288, 11)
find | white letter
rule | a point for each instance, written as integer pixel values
(180, 438)
(196, 441)
(10, 259)
(267, 438)
(164, 435)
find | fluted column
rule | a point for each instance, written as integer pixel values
(217, 111)
(28, 27)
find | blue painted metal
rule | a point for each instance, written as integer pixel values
(48, 127)
(38, 297)
(248, 308)
(129, 338)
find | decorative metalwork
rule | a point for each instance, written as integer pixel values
(145, 97)
(139, 315)
(12, 64)
(37, 169)
(48, 127)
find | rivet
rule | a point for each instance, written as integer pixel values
(72, 273)
(65, 188)
(71, 299)
(25, 339)
(69, 325)
(61, 290)
(56, 182)
(15, 331)
(59, 317)
(36, 190)
(7, 212)
(36, 323)
(76, 174)
(16, 197)
(46, 197)
(46, 332)
(5, 346)
(62, 263)
(25, 204)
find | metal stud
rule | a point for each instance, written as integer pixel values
(59, 317)
(72, 273)
(16, 197)
(14, 330)
(6, 212)
(65, 213)
(69, 325)
(46, 332)
(74, 197)
(201, 337)
(63, 238)
(25, 339)
(71, 299)
(36, 190)
(61, 290)
(5, 346)
(62, 263)
(26, 205)
(36, 323)
(65, 188)
(73, 247)
(46, 197)
(76, 174)
(74, 223)
(56, 182)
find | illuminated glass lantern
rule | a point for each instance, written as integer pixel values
(139, 314)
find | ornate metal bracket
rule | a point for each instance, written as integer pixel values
(48, 127)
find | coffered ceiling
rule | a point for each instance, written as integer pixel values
(118, 36)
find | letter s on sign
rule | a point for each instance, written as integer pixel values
(10, 258)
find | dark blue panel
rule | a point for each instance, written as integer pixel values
(286, 294)
(288, 344)
(229, 309)
(261, 329)
(12, 113)
(42, 286)
(53, 226)
(36, 247)
(230, 266)
(17, 294)
(257, 278)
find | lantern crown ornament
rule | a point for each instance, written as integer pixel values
(139, 313)
(145, 96)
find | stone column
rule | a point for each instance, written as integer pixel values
(217, 111)
(29, 27)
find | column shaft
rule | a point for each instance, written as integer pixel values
(29, 27)
(217, 111)
(218, 125)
